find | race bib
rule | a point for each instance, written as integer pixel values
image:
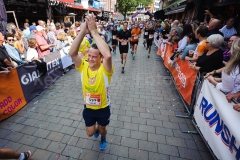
(124, 43)
(114, 37)
(146, 33)
(93, 99)
(135, 37)
(150, 36)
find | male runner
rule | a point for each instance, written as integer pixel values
(136, 33)
(124, 36)
(150, 38)
(95, 77)
(114, 40)
(145, 33)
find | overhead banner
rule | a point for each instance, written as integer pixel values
(11, 95)
(218, 122)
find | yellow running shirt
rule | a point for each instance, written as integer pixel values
(95, 86)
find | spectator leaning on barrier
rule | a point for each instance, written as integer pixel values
(213, 58)
(176, 27)
(191, 46)
(231, 73)
(12, 51)
(43, 47)
(200, 34)
(187, 29)
(61, 41)
(32, 56)
(5, 59)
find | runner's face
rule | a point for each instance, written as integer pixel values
(125, 25)
(94, 57)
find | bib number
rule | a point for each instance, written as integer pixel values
(93, 99)
(135, 37)
(114, 37)
(150, 36)
(124, 43)
(146, 33)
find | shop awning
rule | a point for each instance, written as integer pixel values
(176, 11)
(177, 1)
(82, 8)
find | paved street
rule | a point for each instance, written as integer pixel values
(143, 123)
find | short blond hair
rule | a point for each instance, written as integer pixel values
(62, 36)
(71, 33)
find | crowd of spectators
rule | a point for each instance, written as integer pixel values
(212, 49)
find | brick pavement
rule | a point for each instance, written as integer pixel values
(143, 122)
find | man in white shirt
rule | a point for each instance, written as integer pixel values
(26, 31)
(228, 30)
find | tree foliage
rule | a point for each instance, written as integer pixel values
(125, 6)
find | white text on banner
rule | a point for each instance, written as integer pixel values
(218, 122)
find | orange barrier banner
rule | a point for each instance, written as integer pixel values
(183, 75)
(11, 94)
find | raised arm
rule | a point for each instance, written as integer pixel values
(101, 44)
(73, 52)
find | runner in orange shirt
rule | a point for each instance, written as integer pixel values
(136, 33)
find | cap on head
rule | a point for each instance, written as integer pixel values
(32, 27)
(39, 28)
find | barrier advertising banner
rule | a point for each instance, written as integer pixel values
(11, 95)
(54, 66)
(65, 57)
(30, 81)
(184, 77)
(218, 122)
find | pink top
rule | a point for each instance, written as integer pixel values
(41, 42)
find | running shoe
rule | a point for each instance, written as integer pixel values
(132, 53)
(27, 155)
(148, 55)
(96, 134)
(103, 143)
(144, 44)
(122, 70)
(133, 57)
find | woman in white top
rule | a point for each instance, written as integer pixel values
(32, 56)
(231, 73)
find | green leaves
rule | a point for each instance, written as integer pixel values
(125, 6)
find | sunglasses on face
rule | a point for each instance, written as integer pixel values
(10, 39)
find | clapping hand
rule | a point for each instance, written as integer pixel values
(91, 22)
(84, 28)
